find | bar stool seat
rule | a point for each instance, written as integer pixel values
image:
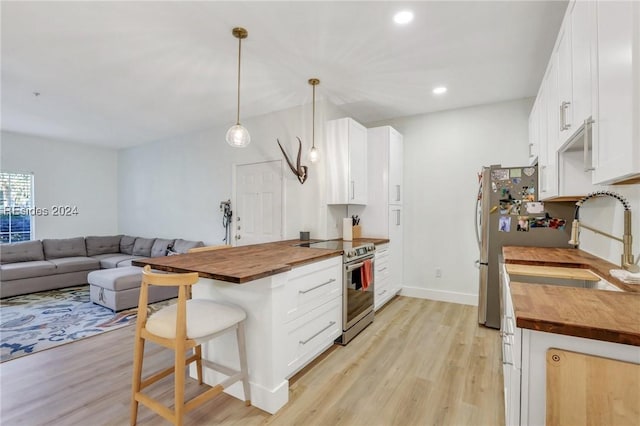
(204, 319)
(184, 326)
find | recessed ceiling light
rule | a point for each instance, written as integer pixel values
(403, 17)
(439, 90)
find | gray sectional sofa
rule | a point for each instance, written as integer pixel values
(32, 266)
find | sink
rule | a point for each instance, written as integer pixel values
(568, 277)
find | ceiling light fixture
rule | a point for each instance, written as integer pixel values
(238, 136)
(403, 17)
(439, 90)
(313, 153)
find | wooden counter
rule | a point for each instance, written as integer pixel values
(565, 257)
(593, 314)
(247, 263)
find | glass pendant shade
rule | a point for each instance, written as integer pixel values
(238, 136)
(314, 154)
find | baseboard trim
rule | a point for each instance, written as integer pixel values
(440, 295)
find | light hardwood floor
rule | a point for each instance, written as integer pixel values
(420, 363)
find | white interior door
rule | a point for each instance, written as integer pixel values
(258, 199)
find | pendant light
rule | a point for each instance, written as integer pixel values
(313, 153)
(238, 136)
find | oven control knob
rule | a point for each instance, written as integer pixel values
(351, 253)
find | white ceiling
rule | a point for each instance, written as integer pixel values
(124, 73)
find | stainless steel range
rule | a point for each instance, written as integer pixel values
(358, 285)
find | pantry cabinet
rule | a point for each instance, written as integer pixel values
(346, 163)
(383, 215)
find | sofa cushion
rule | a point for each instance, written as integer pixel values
(126, 244)
(67, 247)
(26, 251)
(142, 246)
(160, 247)
(19, 270)
(182, 246)
(116, 279)
(112, 261)
(75, 264)
(102, 244)
(127, 263)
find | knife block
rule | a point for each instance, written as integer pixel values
(356, 231)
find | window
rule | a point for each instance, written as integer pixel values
(16, 206)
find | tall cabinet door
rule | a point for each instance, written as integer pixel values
(395, 167)
(396, 223)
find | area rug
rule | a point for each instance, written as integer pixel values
(34, 322)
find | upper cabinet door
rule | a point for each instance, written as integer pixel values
(396, 188)
(582, 49)
(564, 107)
(616, 131)
(346, 162)
(357, 163)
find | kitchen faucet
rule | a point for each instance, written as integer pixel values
(627, 261)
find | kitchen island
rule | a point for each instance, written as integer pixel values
(551, 333)
(293, 299)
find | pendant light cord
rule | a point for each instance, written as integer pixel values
(313, 122)
(239, 55)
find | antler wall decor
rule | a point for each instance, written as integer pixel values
(299, 171)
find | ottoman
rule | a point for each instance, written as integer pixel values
(119, 288)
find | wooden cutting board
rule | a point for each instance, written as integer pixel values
(590, 390)
(552, 271)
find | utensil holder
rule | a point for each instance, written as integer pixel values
(356, 231)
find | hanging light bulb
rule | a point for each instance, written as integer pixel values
(314, 154)
(237, 136)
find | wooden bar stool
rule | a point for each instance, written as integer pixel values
(183, 326)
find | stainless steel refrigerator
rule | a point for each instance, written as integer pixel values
(508, 213)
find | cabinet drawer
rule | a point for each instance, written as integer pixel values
(309, 335)
(311, 286)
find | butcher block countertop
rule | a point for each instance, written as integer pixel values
(611, 316)
(247, 263)
(565, 257)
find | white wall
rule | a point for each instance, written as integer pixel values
(173, 188)
(66, 174)
(443, 153)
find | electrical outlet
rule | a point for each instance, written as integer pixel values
(438, 273)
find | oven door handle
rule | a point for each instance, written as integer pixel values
(352, 268)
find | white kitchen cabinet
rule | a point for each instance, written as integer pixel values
(534, 133)
(382, 277)
(396, 190)
(383, 215)
(313, 312)
(547, 163)
(616, 93)
(396, 242)
(563, 107)
(346, 162)
(524, 362)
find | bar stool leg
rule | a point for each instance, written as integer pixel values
(179, 383)
(198, 351)
(138, 354)
(242, 352)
